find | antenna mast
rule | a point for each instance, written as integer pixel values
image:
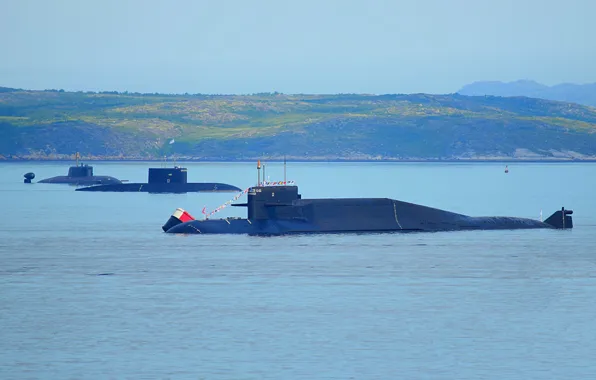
(284, 169)
(77, 156)
(259, 173)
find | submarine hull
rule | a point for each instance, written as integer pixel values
(163, 187)
(83, 181)
(245, 226)
(353, 215)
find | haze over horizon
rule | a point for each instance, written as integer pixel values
(351, 46)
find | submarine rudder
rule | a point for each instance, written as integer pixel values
(28, 177)
(561, 219)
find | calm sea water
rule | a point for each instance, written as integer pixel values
(90, 287)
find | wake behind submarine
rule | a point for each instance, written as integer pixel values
(278, 208)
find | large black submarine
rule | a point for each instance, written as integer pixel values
(279, 209)
(164, 180)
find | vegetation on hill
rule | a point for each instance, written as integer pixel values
(55, 124)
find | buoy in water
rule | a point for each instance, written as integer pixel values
(506, 169)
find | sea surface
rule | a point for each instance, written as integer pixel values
(91, 288)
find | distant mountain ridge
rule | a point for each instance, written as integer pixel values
(566, 92)
(54, 124)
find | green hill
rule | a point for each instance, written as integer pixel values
(55, 124)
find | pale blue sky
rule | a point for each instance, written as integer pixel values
(305, 46)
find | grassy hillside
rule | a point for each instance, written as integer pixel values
(54, 124)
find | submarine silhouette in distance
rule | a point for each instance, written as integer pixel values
(80, 175)
(165, 180)
(277, 209)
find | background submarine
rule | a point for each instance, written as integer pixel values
(164, 180)
(77, 175)
(279, 209)
(81, 175)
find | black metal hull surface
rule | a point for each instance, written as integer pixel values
(164, 187)
(82, 181)
(357, 215)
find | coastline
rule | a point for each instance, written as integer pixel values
(302, 159)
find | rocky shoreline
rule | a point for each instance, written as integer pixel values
(63, 158)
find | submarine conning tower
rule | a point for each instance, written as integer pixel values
(268, 199)
(80, 171)
(263, 199)
(168, 175)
